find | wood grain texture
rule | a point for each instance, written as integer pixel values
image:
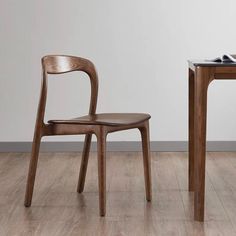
(191, 131)
(147, 160)
(200, 76)
(101, 150)
(93, 123)
(84, 163)
(111, 119)
(58, 209)
(201, 82)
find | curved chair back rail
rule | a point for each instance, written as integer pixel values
(59, 64)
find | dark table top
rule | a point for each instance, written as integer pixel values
(208, 63)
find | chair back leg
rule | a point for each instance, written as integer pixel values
(32, 169)
(146, 159)
(84, 163)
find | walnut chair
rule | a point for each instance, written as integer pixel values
(93, 123)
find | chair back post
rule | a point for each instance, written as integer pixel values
(59, 64)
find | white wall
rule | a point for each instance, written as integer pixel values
(140, 49)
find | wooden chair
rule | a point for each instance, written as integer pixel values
(98, 124)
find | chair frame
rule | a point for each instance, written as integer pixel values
(58, 64)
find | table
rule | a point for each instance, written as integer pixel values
(201, 73)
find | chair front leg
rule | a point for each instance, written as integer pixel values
(146, 159)
(101, 149)
(32, 168)
(84, 163)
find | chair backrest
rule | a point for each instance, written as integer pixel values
(58, 64)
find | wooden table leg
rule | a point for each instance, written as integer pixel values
(201, 82)
(190, 131)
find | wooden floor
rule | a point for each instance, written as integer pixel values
(57, 209)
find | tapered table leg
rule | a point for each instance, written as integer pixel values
(201, 82)
(191, 131)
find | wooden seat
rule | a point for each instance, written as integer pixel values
(98, 124)
(110, 119)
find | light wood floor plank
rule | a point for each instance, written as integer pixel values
(57, 209)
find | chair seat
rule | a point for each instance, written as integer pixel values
(109, 119)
